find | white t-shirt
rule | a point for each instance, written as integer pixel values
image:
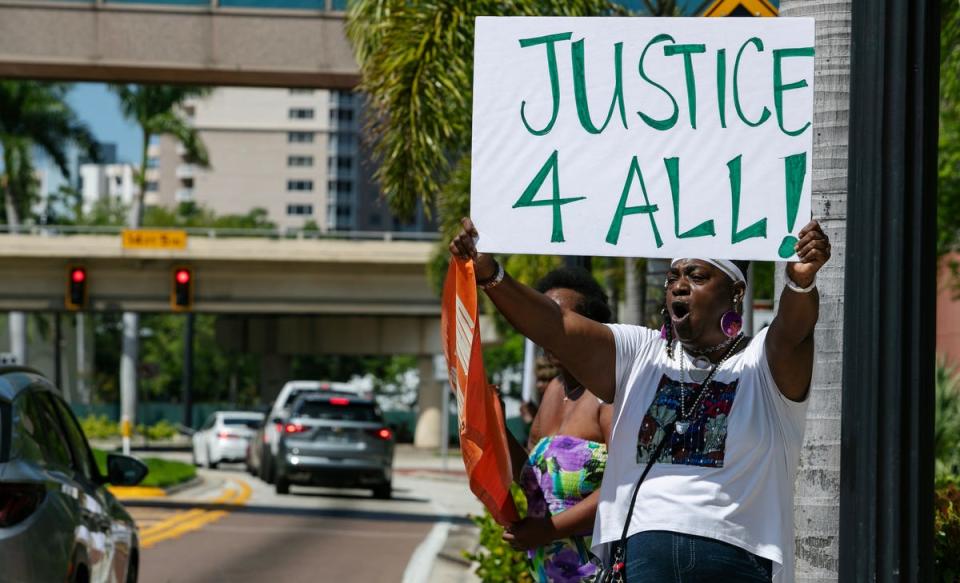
(729, 477)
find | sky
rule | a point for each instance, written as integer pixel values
(100, 109)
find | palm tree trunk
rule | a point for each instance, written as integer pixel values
(817, 488)
(17, 320)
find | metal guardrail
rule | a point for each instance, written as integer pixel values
(212, 233)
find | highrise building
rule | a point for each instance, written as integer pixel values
(295, 152)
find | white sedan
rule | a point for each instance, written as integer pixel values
(224, 437)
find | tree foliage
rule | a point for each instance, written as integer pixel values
(157, 111)
(948, 166)
(417, 64)
(34, 113)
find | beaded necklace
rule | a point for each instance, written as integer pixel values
(683, 421)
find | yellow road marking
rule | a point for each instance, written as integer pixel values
(184, 522)
(127, 492)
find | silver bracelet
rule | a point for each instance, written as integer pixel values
(800, 290)
(495, 280)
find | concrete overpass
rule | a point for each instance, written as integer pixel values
(278, 298)
(284, 43)
(232, 275)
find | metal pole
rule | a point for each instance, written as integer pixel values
(187, 383)
(887, 421)
(58, 357)
(82, 358)
(129, 361)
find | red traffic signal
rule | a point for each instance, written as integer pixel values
(76, 296)
(181, 295)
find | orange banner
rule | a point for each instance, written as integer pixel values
(483, 439)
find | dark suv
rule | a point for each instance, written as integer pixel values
(338, 441)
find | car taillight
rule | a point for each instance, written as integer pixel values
(227, 435)
(294, 428)
(18, 501)
(383, 433)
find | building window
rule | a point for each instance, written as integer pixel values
(344, 163)
(300, 185)
(341, 114)
(299, 160)
(152, 186)
(343, 212)
(299, 209)
(186, 182)
(343, 139)
(300, 91)
(153, 162)
(340, 186)
(300, 137)
(300, 113)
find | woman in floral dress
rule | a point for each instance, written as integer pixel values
(561, 472)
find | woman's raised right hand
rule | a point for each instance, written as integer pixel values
(464, 247)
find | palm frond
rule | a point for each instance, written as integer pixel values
(417, 66)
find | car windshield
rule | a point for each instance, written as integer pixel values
(251, 422)
(327, 410)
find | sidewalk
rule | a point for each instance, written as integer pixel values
(451, 495)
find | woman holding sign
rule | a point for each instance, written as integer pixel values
(707, 423)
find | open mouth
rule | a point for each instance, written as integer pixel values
(680, 310)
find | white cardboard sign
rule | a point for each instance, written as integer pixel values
(649, 137)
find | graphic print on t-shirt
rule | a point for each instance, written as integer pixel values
(704, 442)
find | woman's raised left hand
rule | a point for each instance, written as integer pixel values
(813, 250)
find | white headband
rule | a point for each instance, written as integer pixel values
(728, 267)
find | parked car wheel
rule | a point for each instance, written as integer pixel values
(210, 463)
(383, 491)
(282, 485)
(133, 567)
(268, 474)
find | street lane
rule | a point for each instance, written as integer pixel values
(313, 534)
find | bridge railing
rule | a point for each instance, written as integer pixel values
(215, 5)
(214, 233)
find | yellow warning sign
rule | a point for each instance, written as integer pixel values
(154, 239)
(741, 8)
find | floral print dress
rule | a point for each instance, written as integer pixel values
(560, 472)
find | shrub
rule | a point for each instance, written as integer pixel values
(946, 544)
(497, 562)
(99, 427)
(947, 427)
(102, 427)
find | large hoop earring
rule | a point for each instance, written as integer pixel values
(731, 322)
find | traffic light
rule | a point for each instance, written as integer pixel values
(76, 296)
(181, 294)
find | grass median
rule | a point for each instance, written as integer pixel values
(163, 473)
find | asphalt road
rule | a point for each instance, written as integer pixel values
(312, 534)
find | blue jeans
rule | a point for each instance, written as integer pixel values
(669, 557)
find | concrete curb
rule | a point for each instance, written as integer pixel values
(130, 493)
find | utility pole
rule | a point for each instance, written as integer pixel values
(188, 370)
